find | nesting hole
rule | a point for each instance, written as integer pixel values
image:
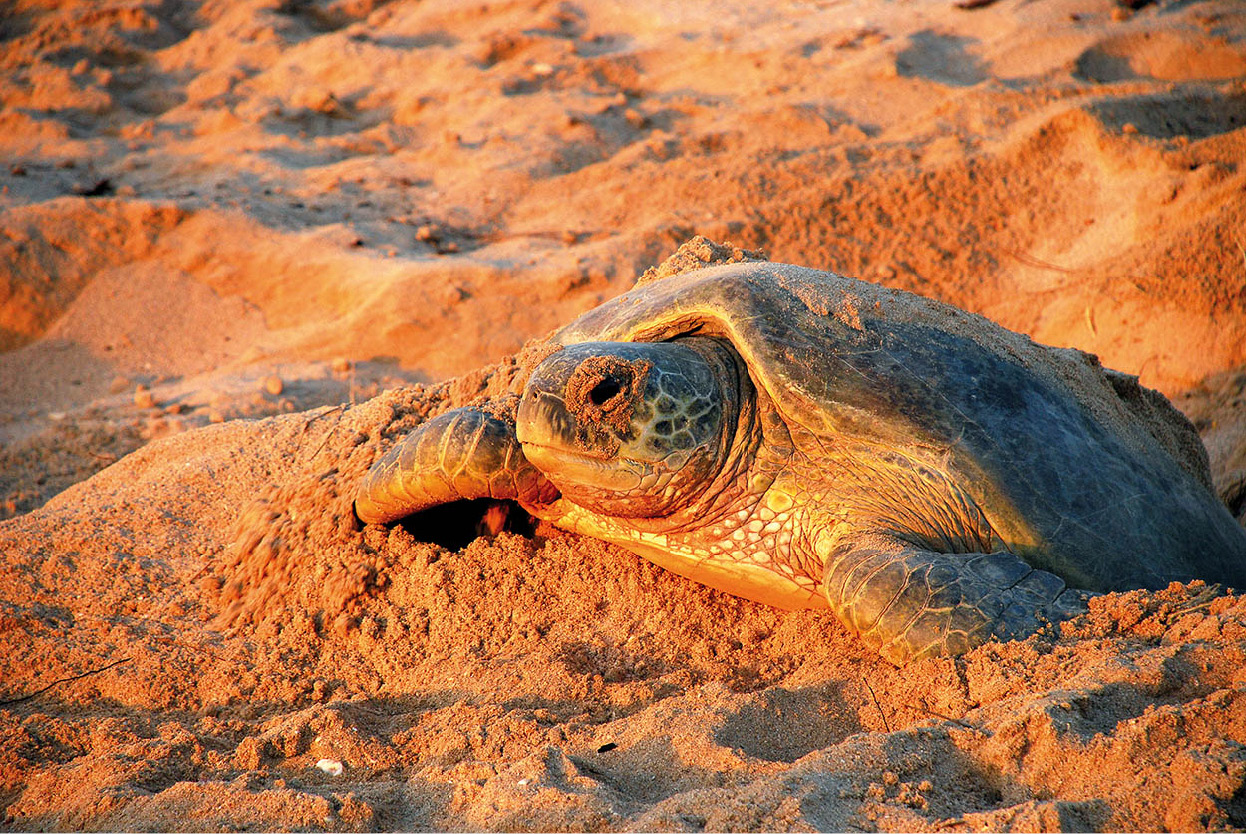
(456, 525)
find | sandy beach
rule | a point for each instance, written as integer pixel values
(246, 246)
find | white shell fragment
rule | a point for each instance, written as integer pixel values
(330, 766)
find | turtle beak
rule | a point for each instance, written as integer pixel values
(543, 420)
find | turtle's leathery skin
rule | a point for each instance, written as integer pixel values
(809, 440)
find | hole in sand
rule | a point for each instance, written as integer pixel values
(456, 525)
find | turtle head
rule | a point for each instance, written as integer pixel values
(631, 429)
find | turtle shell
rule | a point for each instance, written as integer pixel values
(1069, 474)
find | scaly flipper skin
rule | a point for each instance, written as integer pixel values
(461, 454)
(911, 603)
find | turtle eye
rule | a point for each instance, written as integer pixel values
(604, 390)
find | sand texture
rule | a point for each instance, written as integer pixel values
(246, 245)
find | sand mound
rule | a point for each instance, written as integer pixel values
(245, 628)
(242, 242)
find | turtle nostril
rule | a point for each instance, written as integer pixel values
(604, 390)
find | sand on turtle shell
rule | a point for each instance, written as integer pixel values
(363, 199)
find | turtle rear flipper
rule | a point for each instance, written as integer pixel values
(462, 454)
(911, 603)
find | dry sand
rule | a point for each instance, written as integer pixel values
(243, 243)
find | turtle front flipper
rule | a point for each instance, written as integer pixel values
(911, 603)
(461, 454)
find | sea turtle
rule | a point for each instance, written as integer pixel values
(808, 440)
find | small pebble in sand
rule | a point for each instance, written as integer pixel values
(160, 427)
(330, 766)
(340, 365)
(273, 384)
(143, 398)
(119, 385)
